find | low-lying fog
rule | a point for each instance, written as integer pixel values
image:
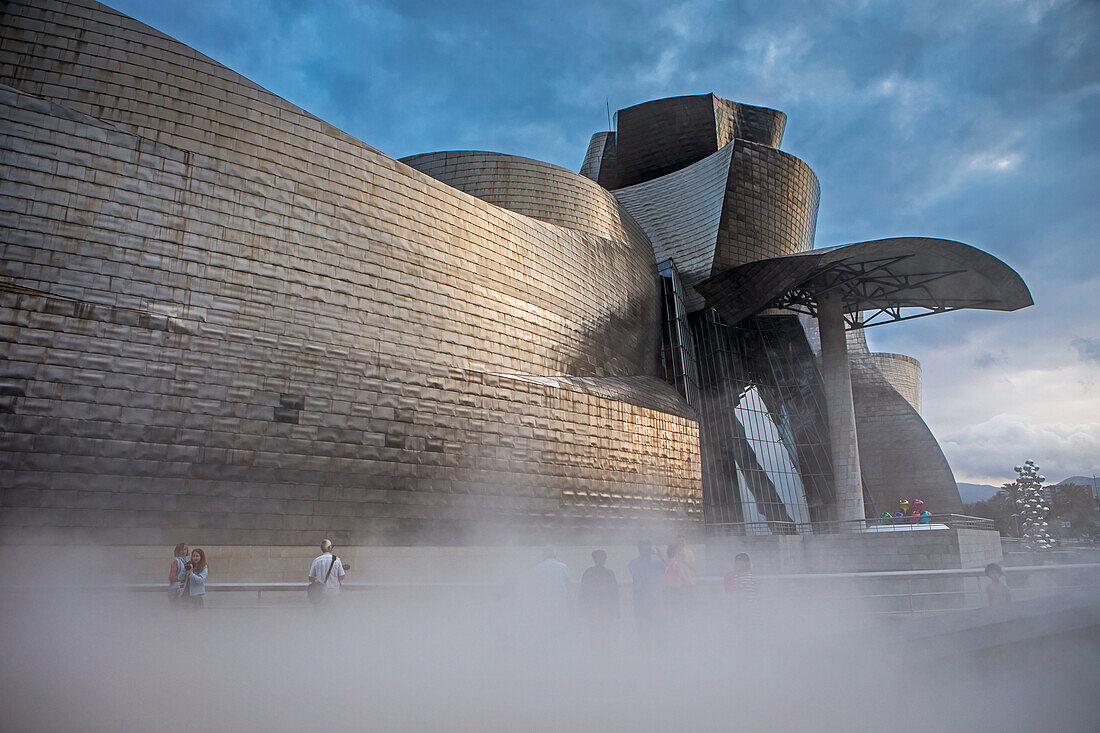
(492, 660)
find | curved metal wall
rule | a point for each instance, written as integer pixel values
(736, 121)
(540, 190)
(898, 455)
(903, 373)
(745, 202)
(601, 162)
(226, 319)
(771, 206)
(659, 137)
(681, 213)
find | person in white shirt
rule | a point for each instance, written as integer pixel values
(328, 572)
(547, 585)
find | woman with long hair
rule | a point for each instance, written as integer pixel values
(179, 559)
(193, 578)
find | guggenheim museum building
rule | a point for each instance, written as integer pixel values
(224, 318)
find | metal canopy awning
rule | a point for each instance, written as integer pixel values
(879, 281)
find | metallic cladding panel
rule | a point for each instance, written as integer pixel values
(659, 137)
(736, 121)
(743, 203)
(899, 456)
(663, 136)
(770, 207)
(681, 213)
(601, 162)
(540, 190)
(903, 373)
(224, 317)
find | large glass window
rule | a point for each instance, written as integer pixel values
(766, 460)
(678, 349)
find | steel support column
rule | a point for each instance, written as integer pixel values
(840, 407)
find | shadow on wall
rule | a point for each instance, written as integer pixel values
(617, 344)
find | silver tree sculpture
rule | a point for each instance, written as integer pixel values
(1032, 507)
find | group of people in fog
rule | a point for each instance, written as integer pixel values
(188, 573)
(661, 588)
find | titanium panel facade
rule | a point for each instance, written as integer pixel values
(900, 457)
(904, 375)
(223, 316)
(660, 137)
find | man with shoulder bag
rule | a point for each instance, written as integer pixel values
(326, 575)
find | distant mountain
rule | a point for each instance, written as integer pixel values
(1079, 480)
(971, 493)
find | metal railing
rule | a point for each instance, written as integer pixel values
(900, 524)
(905, 592)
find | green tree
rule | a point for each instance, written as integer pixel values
(1075, 504)
(1000, 508)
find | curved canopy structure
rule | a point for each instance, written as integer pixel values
(883, 276)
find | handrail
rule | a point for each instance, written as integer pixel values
(472, 585)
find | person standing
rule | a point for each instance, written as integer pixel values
(179, 559)
(997, 593)
(689, 556)
(599, 594)
(645, 572)
(677, 580)
(742, 588)
(548, 583)
(193, 579)
(326, 575)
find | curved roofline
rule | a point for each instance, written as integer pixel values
(495, 154)
(703, 94)
(882, 274)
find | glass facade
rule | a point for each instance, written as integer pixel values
(765, 445)
(677, 344)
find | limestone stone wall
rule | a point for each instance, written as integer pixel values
(938, 549)
(225, 318)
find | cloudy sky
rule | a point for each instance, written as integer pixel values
(977, 121)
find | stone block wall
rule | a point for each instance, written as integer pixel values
(939, 549)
